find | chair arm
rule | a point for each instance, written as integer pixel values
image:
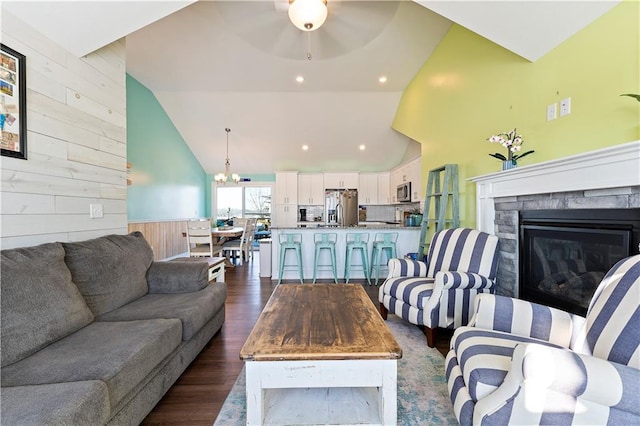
(177, 277)
(522, 318)
(544, 379)
(462, 281)
(406, 268)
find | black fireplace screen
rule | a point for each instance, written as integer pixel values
(562, 262)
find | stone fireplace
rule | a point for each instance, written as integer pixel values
(604, 179)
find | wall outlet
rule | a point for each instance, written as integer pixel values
(552, 111)
(565, 107)
(95, 211)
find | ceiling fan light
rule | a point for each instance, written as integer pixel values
(308, 15)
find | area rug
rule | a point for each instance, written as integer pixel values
(423, 398)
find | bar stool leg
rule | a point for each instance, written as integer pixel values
(283, 254)
(299, 253)
(333, 264)
(365, 264)
(347, 264)
(315, 263)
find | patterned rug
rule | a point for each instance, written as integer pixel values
(423, 398)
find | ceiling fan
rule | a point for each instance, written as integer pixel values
(266, 25)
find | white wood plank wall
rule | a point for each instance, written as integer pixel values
(76, 143)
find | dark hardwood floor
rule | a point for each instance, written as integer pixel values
(198, 395)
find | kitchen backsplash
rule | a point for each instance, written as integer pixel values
(388, 212)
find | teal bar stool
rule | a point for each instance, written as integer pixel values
(383, 242)
(325, 241)
(290, 242)
(357, 241)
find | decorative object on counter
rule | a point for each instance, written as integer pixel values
(222, 178)
(513, 142)
(414, 218)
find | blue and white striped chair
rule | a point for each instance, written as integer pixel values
(523, 363)
(461, 263)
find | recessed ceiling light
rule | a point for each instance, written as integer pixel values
(362, 147)
(382, 79)
(305, 147)
(300, 79)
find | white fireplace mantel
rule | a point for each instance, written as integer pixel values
(612, 167)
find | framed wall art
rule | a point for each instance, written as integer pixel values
(13, 104)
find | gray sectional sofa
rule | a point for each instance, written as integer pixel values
(95, 332)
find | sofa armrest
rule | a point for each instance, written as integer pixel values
(177, 277)
(544, 379)
(522, 318)
(406, 268)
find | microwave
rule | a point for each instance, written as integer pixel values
(404, 193)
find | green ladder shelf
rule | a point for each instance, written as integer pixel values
(444, 199)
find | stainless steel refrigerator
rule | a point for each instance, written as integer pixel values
(341, 207)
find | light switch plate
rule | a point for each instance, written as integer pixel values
(552, 111)
(95, 211)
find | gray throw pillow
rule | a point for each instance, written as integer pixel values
(39, 302)
(110, 271)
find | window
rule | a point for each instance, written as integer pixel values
(242, 201)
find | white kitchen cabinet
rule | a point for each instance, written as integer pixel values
(384, 188)
(286, 188)
(395, 179)
(341, 180)
(286, 216)
(285, 211)
(368, 188)
(310, 189)
(415, 175)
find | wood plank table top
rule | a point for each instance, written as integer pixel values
(320, 322)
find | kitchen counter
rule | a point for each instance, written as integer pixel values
(368, 224)
(408, 241)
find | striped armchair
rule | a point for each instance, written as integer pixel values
(461, 263)
(522, 363)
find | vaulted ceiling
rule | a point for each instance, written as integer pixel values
(217, 64)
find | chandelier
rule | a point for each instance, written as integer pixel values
(308, 15)
(222, 178)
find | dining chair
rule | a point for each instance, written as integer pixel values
(199, 239)
(238, 245)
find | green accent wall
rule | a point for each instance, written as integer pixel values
(168, 182)
(471, 88)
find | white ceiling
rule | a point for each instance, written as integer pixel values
(217, 64)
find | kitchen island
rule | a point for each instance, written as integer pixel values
(408, 239)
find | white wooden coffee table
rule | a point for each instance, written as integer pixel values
(321, 354)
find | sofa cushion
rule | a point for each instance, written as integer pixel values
(39, 302)
(110, 271)
(194, 309)
(74, 403)
(484, 357)
(121, 354)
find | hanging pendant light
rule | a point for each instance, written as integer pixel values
(308, 15)
(222, 178)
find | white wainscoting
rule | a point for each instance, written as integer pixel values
(76, 143)
(611, 167)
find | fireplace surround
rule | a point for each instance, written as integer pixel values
(608, 178)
